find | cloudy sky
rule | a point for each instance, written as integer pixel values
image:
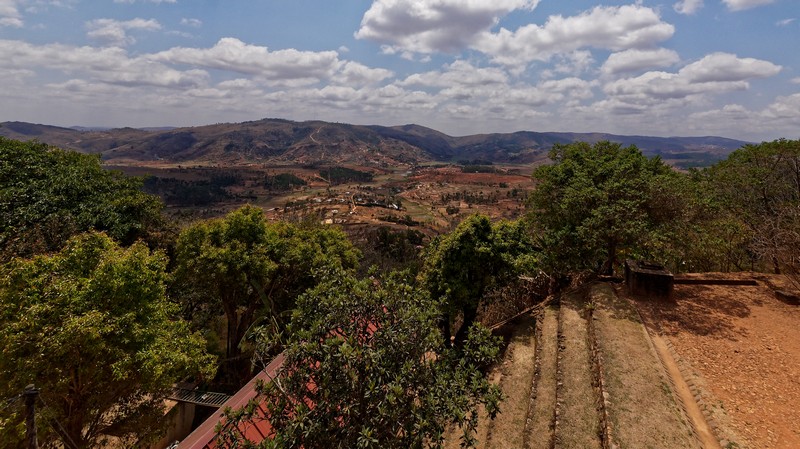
(672, 67)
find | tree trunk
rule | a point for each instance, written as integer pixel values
(611, 258)
(444, 325)
(470, 313)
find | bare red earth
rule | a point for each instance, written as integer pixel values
(745, 343)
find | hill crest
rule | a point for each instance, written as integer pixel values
(325, 143)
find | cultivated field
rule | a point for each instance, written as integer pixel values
(431, 198)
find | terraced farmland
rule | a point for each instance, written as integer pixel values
(581, 371)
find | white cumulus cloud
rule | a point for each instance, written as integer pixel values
(234, 55)
(741, 5)
(428, 26)
(9, 14)
(357, 74)
(191, 22)
(713, 74)
(115, 32)
(634, 60)
(458, 73)
(603, 27)
(688, 7)
(726, 67)
(109, 65)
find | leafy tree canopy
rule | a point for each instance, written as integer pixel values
(365, 368)
(593, 202)
(92, 328)
(460, 267)
(251, 271)
(759, 187)
(48, 195)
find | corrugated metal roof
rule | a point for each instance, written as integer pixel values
(205, 398)
(204, 436)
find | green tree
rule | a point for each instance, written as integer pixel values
(593, 203)
(92, 328)
(365, 368)
(48, 195)
(759, 186)
(252, 271)
(460, 267)
(692, 231)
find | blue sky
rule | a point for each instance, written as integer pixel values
(678, 67)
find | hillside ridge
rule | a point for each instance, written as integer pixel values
(320, 142)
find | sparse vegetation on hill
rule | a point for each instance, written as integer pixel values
(316, 142)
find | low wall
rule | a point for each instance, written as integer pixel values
(648, 280)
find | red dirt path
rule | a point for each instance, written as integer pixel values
(745, 343)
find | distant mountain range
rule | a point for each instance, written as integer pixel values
(315, 142)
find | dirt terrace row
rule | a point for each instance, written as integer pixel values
(582, 373)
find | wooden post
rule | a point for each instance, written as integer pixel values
(30, 416)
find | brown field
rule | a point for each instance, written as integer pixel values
(714, 367)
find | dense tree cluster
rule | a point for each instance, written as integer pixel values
(598, 204)
(462, 266)
(470, 197)
(48, 195)
(92, 328)
(184, 193)
(758, 188)
(342, 175)
(283, 181)
(251, 271)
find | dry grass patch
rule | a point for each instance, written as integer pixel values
(539, 431)
(507, 430)
(578, 426)
(643, 410)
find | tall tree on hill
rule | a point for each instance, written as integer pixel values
(593, 203)
(92, 328)
(48, 195)
(460, 267)
(248, 269)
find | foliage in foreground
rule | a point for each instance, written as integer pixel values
(48, 195)
(366, 368)
(92, 328)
